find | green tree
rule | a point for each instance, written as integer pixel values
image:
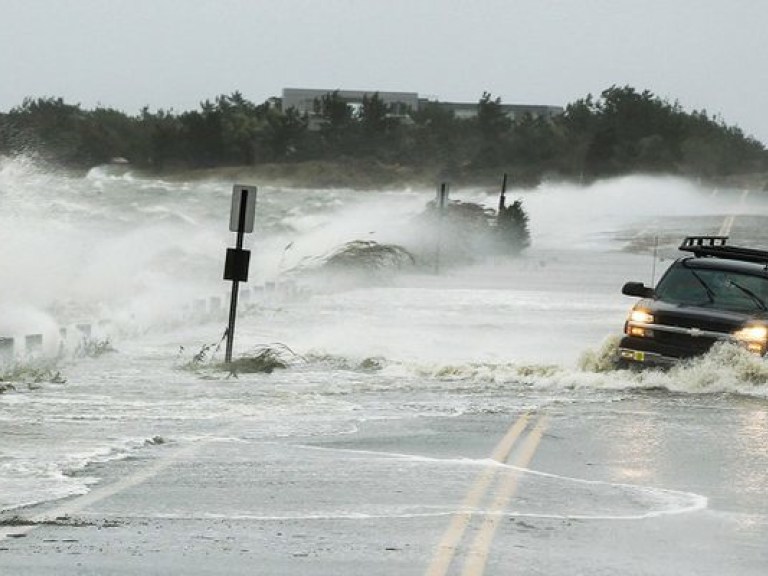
(622, 131)
(106, 133)
(241, 123)
(434, 137)
(49, 126)
(337, 123)
(492, 121)
(374, 115)
(379, 135)
(203, 137)
(493, 127)
(335, 112)
(512, 228)
(162, 135)
(285, 134)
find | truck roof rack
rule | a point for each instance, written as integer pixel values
(716, 247)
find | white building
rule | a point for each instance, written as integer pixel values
(401, 103)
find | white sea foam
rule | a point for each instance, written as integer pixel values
(489, 337)
(29, 477)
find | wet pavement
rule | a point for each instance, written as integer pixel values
(622, 483)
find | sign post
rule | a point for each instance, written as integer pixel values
(237, 261)
(502, 196)
(442, 197)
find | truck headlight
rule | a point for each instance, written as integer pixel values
(753, 337)
(639, 316)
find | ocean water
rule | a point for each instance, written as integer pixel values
(140, 261)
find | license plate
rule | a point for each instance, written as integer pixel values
(639, 356)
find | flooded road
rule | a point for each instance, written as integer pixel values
(460, 423)
(607, 482)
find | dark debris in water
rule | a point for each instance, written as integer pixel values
(369, 364)
(262, 359)
(32, 374)
(94, 347)
(372, 364)
(68, 521)
(358, 258)
(370, 255)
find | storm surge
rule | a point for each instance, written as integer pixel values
(351, 273)
(341, 277)
(99, 246)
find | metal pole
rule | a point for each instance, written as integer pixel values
(655, 256)
(235, 283)
(440, 208)
(502, 197)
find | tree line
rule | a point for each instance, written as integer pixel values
(621, 131)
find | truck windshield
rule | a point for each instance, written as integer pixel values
(722, 289)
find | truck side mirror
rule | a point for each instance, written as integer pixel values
(637, 289)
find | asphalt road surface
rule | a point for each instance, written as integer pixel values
(614, 483)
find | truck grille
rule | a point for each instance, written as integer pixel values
(687, 345)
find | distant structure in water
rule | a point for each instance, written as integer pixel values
(399, 104)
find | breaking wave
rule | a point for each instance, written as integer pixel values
(726, 369)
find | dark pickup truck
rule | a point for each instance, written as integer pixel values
(718, 293)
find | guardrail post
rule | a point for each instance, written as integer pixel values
(33, 344)
(6, 349)
(84, 329)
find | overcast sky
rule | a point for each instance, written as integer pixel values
(706, 54)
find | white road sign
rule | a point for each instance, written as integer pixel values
(240, 191)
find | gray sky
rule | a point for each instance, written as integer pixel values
(707, 54)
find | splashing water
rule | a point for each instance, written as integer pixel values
(136, 250)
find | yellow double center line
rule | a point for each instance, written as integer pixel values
(725, 228)
(478, 553)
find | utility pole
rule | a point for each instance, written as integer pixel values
(503, 197)
(442, 197)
